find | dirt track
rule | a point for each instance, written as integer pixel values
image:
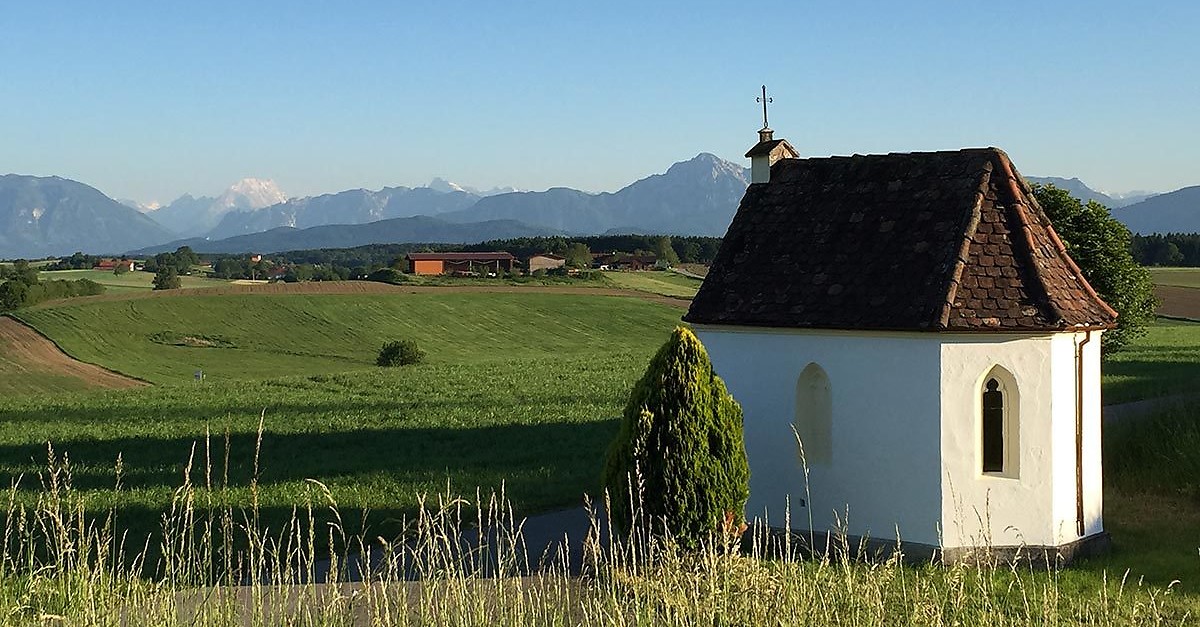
(30, 351)
(372, 287)
(1178, 302)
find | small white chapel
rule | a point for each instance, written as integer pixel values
(916, 355)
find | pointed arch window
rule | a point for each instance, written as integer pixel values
(814, 415)
(999, 428)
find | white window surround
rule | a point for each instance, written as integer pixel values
(813, 419)
(1007, 386)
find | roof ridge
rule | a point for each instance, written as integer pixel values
(964, 251)
(1018, 206)
(1020, 201)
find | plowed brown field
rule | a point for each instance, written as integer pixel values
(1178, 302)
(25, 352)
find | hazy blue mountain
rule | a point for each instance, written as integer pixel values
(418, 229)
(356, 206)
(1084, 193)
(694, 197)
(1174, 212)
(1077, 188)
(44, 216)
(440, 184)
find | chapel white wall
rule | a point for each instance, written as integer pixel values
(884, 472)
(1037, 506)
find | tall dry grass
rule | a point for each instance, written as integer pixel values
(466, 562)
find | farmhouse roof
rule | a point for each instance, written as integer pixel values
(547, 256)
(492, 256)
(935, 241)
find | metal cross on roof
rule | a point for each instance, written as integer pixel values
(765, 101)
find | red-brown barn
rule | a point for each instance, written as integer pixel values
(455, 263)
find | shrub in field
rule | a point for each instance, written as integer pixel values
(399, 353)
(388, 275)
(678, 464)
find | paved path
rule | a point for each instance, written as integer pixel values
(1122, 412)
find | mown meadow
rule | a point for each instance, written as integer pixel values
(516, 389)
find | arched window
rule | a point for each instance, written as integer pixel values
(993, 427)
(999, 429)
(814, 415)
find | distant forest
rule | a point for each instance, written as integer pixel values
(1172, 249)
(323, 264)
(690, 249)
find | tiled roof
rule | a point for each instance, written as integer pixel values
(764, 147)
(502, 256)
(938, 241)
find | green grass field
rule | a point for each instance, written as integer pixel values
(1164, 362)
(656, 282)
(1179, 277)
(517, 389)
(130, 281)
(268, 336)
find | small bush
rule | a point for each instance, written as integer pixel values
(400, 353)
(388, 275)
(681, 446)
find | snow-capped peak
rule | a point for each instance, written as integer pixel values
(440, 184)
(251, 193)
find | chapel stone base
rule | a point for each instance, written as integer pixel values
(775, 543)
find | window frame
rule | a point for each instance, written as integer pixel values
(1011, 424)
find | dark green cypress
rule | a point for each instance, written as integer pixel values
(681, 437)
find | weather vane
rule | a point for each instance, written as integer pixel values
(765, 101)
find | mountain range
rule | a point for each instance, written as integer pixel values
(192, 217)
(53, 216)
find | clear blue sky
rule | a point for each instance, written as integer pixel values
(147, 100)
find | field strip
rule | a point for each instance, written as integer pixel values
(31, 351)
(1178, 302)
(373, 287)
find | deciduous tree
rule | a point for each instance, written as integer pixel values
(1100, 245)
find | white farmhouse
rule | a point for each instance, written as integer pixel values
(917, 323)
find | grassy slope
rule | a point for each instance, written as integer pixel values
(664, 283)
(519, 389)
(282, 335)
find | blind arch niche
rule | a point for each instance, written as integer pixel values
(814, 416)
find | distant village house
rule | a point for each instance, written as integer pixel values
(546, 262)
(111, 264)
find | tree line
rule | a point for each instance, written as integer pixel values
(20, 286)
(1172, 249)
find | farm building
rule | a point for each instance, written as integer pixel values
(111, 264)
(546, 262)
(458, 263)
(907, 332)
(623, 261)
